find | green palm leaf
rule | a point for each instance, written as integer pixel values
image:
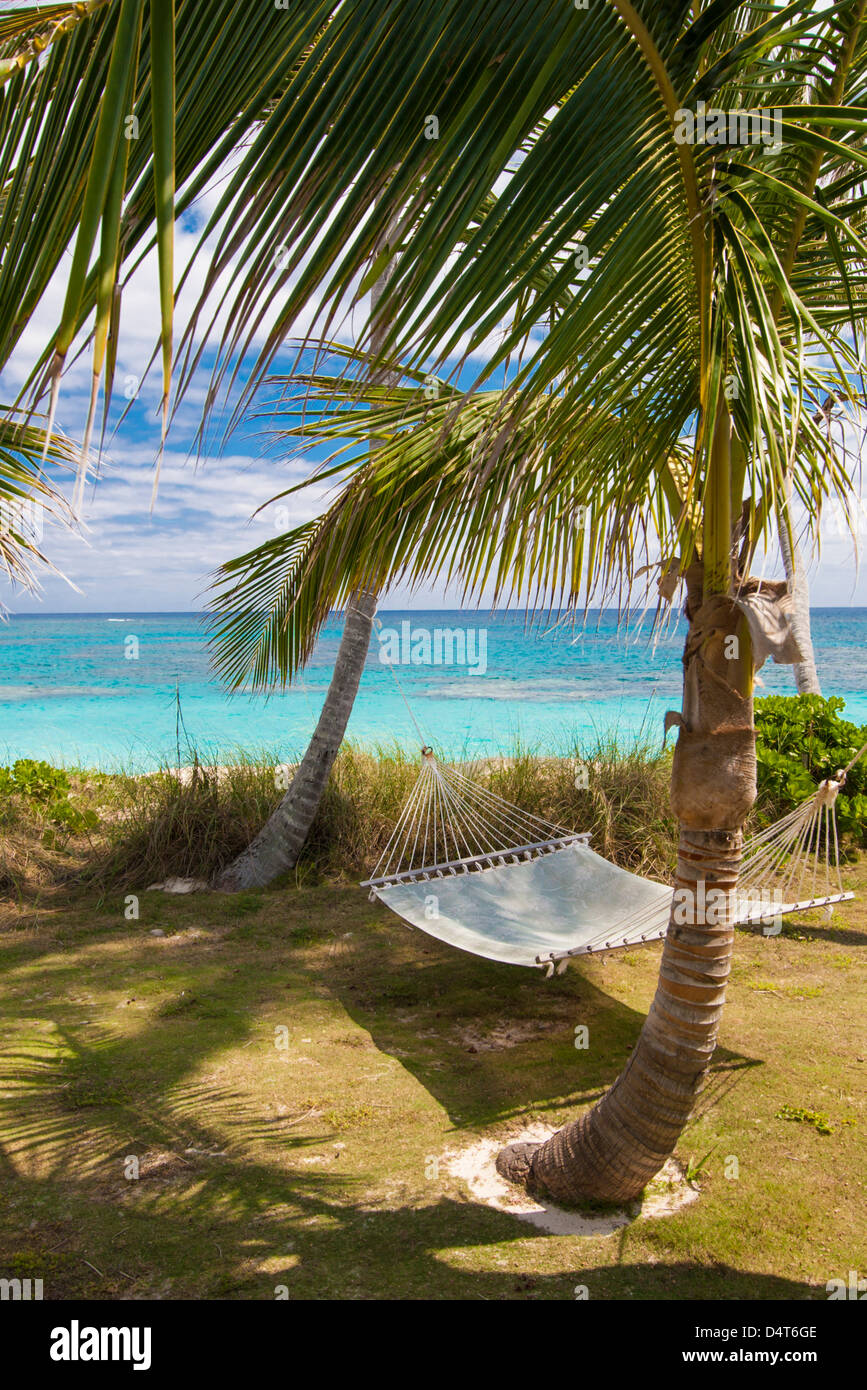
(28, 497)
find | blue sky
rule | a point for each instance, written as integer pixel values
(126, 559)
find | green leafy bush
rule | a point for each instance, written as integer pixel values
(801, 739)
(48, 788)
(37, 780)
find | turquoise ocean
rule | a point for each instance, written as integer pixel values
(99, 689)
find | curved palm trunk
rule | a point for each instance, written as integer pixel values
(613, 1151)
(277, 846)
(806, 676)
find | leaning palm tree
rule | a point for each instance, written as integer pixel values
(722, 292)
(278, 845)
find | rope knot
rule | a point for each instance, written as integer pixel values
(826, 793)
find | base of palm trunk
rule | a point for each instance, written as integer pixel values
(515, 1163)
(571, 1168)
(611, 1153)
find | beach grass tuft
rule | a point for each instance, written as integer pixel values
(81, 828)
(121, 830)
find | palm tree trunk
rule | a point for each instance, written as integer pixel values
(806, 676)
(611, 1152)
(277, 846)
(279, 843)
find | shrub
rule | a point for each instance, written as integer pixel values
(37, 780)
(800, 740)
(46, 789)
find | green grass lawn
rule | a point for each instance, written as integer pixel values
(309, 1165)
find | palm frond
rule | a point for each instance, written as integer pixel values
(443, 496)
(28, 496)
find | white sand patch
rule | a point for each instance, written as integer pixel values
(214, 771)
(666, 1194)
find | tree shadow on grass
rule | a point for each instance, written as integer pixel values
(243, 1233)
(796, 927)
(202, 1219)
(491, 1042)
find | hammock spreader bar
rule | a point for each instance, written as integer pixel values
(479, 861)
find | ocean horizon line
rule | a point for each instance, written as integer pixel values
(518, 611)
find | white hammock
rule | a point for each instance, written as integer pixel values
(477, 872)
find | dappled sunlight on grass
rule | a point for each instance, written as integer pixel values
(284, 1080)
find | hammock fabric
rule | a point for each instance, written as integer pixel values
(473, 870)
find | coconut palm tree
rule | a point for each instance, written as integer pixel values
(716, 291)
(416, 510)
(752, 305)
(179, 94)
(517, 533)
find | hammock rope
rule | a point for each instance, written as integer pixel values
(472, 869)
(453, 827)
(460, 827)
